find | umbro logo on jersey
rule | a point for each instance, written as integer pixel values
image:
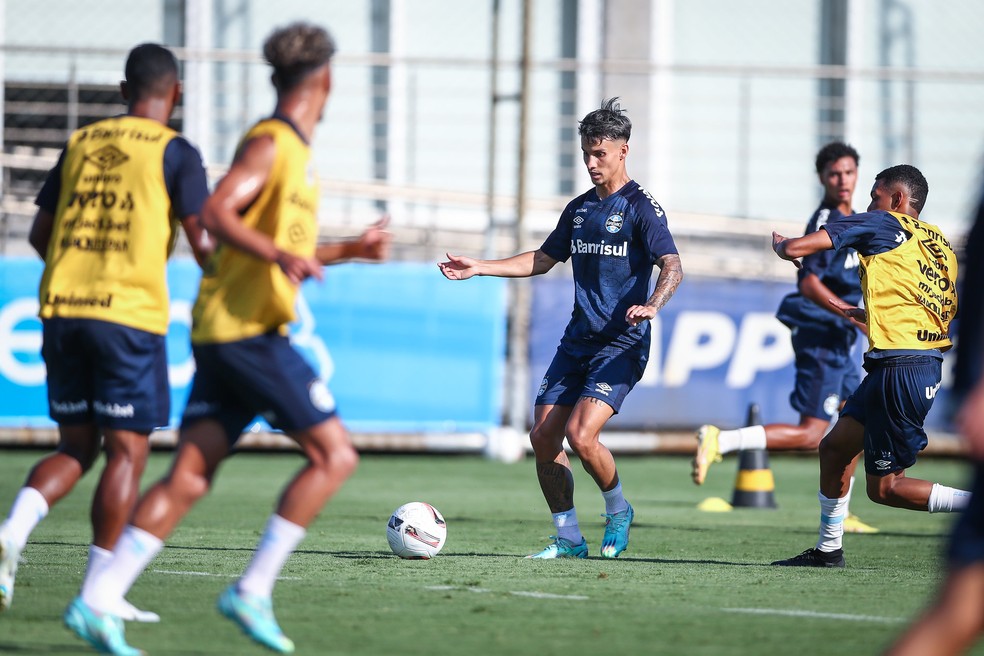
(604, 388)
(883, 464)
(578, 220)
(107, 157)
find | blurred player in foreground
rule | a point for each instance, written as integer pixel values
(106, 219)
(264, 214)
(956, 618)
(907, 278)
(614, 234)
(823, 336)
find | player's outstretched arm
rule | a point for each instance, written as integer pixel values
(797, 247)
(813, 288)
(373, 244)
(234, 193)
(855, 314)
(670, 277)
(530, 263)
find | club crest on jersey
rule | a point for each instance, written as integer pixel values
(831, 404)
(614, 223)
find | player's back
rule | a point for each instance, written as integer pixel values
(108, 250)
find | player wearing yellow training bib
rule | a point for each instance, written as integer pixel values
(264, 214)
(105, 221)
(908, 275)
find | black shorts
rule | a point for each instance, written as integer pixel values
(261, 376)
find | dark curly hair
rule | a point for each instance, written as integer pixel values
(296, 50)
(608, 122)
(909, 177)
(835, 151)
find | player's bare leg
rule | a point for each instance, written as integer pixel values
(553, 471)
(119, 485)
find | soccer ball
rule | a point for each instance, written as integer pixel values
(416, 531)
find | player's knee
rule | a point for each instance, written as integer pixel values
(188, 486)
(583, 443)
(344, 460)
(882, 490)
(542, 439)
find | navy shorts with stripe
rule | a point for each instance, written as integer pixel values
(826, 372)
(261, 376)
(892, 402)
(607, 374)
(967, 540)
(104, 373)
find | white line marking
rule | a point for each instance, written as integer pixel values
(221, 576)
(814, 614)
(515, 593)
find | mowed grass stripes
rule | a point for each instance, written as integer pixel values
(690, 583)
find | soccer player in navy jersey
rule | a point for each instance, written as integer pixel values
(107, 218)
(956, 618)
(823, 337)
(614, 235)
(908, 276)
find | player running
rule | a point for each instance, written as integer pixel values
(908, 275)
(823, 337)
(264, 213)
(106, 222)
(614, 234)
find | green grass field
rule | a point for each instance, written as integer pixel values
(690, 583)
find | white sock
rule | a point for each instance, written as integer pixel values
(742, 439)
(833, 512)
(614, 500)
(279, 540)
(28, 510)
(947, 499)
(104, 589)
(567, 527)
(99, 558)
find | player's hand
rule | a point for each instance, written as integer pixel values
(298, 269)
(855, 314)
(639, 313)
(374, 243)
(970, 422)
(458, 267)
(777, 241)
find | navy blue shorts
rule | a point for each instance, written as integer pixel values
(104, 373)
(826, 372)
(261, 376)
(607, 374)
(892, 402)
(967, 540)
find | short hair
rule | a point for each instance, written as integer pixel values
(608, 122)
(151, 70)
(835, 151)
(296, 50)
(909, 177)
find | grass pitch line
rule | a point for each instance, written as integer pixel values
(817, 615)
(515, 593)
(221, 576)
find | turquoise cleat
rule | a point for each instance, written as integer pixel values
(9, 557)
(254, 615)
(616, 538)
(561, 548)
(101, 630)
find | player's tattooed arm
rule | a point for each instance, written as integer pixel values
(557, 483)
(670, 277)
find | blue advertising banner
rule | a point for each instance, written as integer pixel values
(402, 349)
(717, 348)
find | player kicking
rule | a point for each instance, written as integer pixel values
(907, 280)
(614, 235)
(103, 229)
(823, 337)
(264, 213)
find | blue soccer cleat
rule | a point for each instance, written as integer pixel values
(101, 630)
(562, 548)
(616, 538)
(254, 615)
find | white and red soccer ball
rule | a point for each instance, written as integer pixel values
(416, 530)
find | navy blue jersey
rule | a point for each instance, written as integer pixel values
(970, 331)
(837, 269)
(184, 176)
(613, 245)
